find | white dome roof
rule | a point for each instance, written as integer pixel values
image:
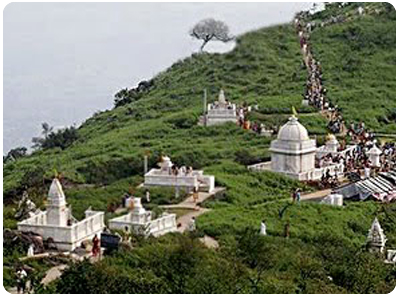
(293, 131)
(56, 194)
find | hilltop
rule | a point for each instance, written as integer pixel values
(265, 68)
(358, 59)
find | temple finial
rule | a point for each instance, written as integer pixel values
(294, 112)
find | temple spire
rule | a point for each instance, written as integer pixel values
(56, 195)
(376, 238)
(222, 98)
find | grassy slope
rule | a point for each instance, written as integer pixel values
(264, 68)
(112, 143)
(359, 63)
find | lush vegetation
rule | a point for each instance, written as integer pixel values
(103, 159)
(244, 263)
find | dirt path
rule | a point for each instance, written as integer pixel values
(53, 274)
(195, 211)
(316, 195)
(188, 203)
(184, 221)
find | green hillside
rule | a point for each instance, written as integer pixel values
(359, 64)
(358, 59)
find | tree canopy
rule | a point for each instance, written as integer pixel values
(211, 30)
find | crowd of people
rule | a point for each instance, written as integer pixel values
(355, 161)
(315, 93)
(180, 171)
(257, 127)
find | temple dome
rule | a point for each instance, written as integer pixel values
(56, 194)
(293, 131)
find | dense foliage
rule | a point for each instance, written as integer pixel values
(245, 263)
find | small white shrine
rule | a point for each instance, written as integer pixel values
(58, 223)
(179, 178)
(374, 156)
(139, 221)
(333, 199)
(331, 146)
(220, 111)
(376, 238)
(293, 153)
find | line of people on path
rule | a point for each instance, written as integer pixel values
(315, 93)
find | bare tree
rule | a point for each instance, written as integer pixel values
(211, 30)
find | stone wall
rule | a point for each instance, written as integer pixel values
(162, 225)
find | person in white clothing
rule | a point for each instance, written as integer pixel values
(31, 251)
(147, 196)
(191, 226)
(21, 280)
(262, 228)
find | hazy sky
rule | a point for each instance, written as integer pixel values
(64, 61)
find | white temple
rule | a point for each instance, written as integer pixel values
(293, 154)
(179, 178)
(376, 238)
(220, 111)
(58, 223)
(139, 221)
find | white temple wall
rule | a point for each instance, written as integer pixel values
(152, 178)
(307, 162)
(157, 178)
(67, 238)
(219, 120)
(209, 182)
(162, 225)
(293, 163)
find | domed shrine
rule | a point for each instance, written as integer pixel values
(293, 152)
